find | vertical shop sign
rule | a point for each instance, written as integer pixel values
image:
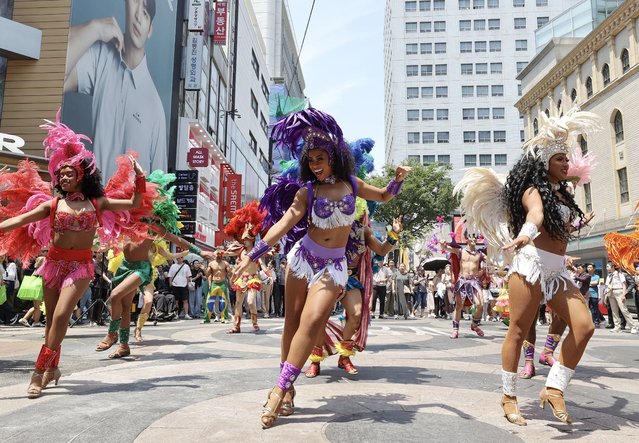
(233, 194)
(219, 23)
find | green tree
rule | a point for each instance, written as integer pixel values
(427, 193)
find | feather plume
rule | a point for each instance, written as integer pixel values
(580, 167)
(276, 201)
(483, 205)
(623, 249)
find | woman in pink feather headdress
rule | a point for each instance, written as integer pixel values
(65, 221)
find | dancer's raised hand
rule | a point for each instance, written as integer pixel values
(241, 267)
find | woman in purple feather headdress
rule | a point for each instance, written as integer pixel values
(317, 270)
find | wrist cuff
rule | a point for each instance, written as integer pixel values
(259, 250)
(394, 187)
(140, 184)
(529, 230)
(194, 249)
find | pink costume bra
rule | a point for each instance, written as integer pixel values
(66, 221)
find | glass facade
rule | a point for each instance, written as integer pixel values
(6, 11)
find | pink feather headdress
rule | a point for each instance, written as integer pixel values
(580, 167)
(64, 147)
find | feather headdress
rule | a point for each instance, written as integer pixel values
(246, 222)
(580, 167)
(557, 134)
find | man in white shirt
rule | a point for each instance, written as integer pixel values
(179, 277)
(380, 279)
(127, 113)
(616, 294)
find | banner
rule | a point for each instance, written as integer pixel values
(196, 15)
(219, 23)
(233, 194)
(193, 62)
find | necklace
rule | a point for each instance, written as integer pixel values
(471, 252)
(330, 180)
(555, 187)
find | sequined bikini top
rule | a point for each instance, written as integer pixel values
(565, 213)
(330, 214)
(66, 221)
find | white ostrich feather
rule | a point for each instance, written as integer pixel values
(483, 205)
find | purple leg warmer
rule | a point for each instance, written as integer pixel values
(455, 324)
(529, 350)
(288, 375)
(552, 340)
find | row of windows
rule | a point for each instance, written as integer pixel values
(427, 91)
(495, 24)
(467, 114)
(425, 5)
(440, 5)
(605, 75)
(484, 136)
(480, 46)
(478, 4)
(469, 137)
(483, 91)
(426, 70)
(428, 137)
(481, 68)
(469, 159)
(425, 48)
(443, 159)
(412, 115)
(442, 91)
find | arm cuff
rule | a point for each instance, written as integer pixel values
(140, 184)
(529, 230)
(394, 187)
(259, 250)
(194, 249)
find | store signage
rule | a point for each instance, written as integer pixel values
(233, 194)
(196, 15)
(186, 176)
(193, 62)
(182, 189)
(186, 201)
(198, 157)
(188, 228)
(11, 143)
(219, 23)
(188, 214)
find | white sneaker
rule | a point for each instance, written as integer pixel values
(24, 322)
(634, 330)
(37, 325)
(616, 329)
(188, 317)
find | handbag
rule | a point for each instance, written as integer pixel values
(31, 288)
(191, 286)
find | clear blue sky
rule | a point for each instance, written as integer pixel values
(343, 64)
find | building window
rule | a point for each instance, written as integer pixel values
(589, 87)
(470, 160)
(618, 127)
(480, 46)
(496, 68)
(494, 46)
(542, 2)
(479, 4)
(625, 61)
(443, 159)
(522, 136)
(441, 69)
(411, 27)
(464, 4)
(492, 4)
(521, 66)
(483, 113)
(253, 103)
(426, 48)
(252, 142)
(413, 158)
(467, 69)
(424, 5)
(521, 45)
(499, 136)
(484, 137)
(425, 26)
(427, 92)
(442, 137)
(441, 91)
(428, 159)
(605, 74)
(440, 26)
(442, 114)
(412, 70)
(481, 68)
(497, 90)
(622, 175)
(519, 3)
(410, 6)
(439, 5)
(499, 113)
(535, 127)
(468, 91)
(255, 64)
(469, 137)
(541, 21)
(494, 24)
(412, 92)
(480, 25)
(482, 91)
(573, 95)
(465, 47)
(413, 138)
(485, 160)
(464, 25)
(265, 90)
(440, 48)
(583, 144)
(520, 23)
(411, 48)
(428, 114)
(428, 137)
(412, 115)
(588, 197)
(501, 159)
(468, 113)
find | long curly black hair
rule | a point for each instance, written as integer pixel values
(530, 171)
(91, 184)
(342, 162)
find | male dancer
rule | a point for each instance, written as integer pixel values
(217, 301)
(467, 289)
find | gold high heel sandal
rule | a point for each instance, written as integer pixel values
(35, 387)
(270, 413)
(513, 417)
(51, 374)
(555, 399)
(288, 407)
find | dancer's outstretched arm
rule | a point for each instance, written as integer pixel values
(36, 214)
(113, 204)
(368, 192)
(377, 246)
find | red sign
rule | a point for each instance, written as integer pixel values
(198, 157)
(233, 193)
(219, 23)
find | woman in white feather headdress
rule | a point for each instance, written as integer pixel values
(537, 206)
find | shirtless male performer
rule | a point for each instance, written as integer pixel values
(468, 287)
(217, 301)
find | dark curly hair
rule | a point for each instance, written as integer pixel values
(527, 172)
(342, 165)
(91, 184)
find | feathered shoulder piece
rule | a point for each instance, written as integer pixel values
(364, 163)
(63, 147)
(483, 206)
(247, 222)
(165, 210)
(623, 249)
(276, 200)
(558, 134)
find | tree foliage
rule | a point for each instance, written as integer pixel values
(427, 193)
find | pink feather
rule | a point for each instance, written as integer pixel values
(580, 167)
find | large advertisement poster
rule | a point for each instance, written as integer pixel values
(119, 78)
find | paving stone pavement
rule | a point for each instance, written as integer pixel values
(193, 382)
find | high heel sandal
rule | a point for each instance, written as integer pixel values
(51, 374)
(514, 417)
(313, 370)
(269, 413)
(138, 335)
(346, 364)
(122, 351)
(35, 387)
(108, 341)
(288, 407)
(558, 409)
(528, 371)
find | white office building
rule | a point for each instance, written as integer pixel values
(450, 78)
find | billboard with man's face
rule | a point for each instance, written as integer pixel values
(120, 77)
